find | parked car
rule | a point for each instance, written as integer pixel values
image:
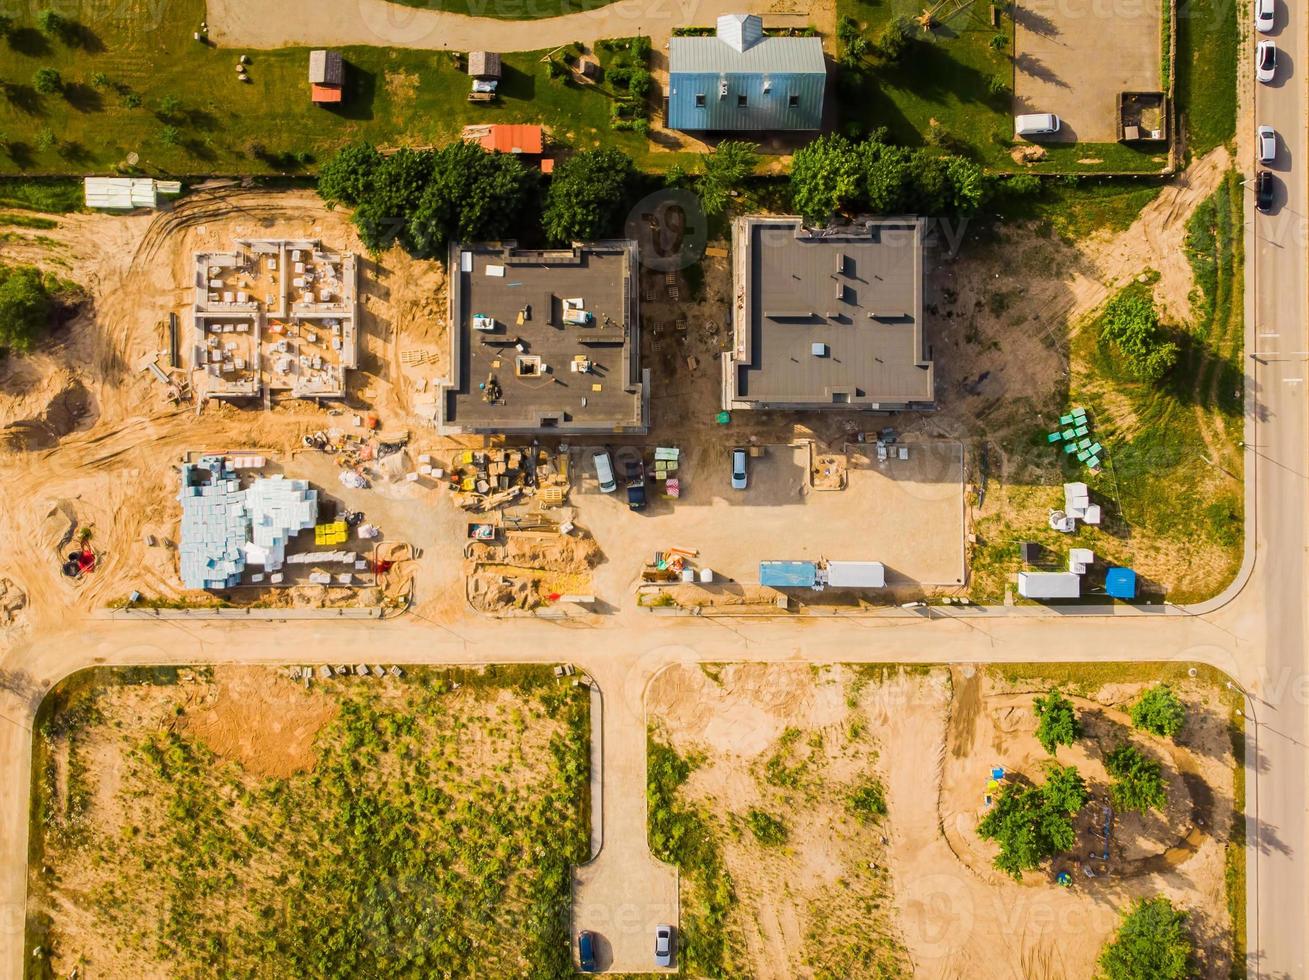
(604, 471)
(740, 478)
(1267, 140)
(663, 945)
(1265, 61)
(1263, 191)
(1265, 15)
(1036, 124)
(586, 951)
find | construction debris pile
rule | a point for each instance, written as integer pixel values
(485, 479)
(366, 456)
(326, 672)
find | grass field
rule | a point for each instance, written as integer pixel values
(1208, 44)
(423, 827)
(144, 86)
(510, 9)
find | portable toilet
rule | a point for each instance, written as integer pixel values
(1120, 583)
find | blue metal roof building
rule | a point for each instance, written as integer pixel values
(740, 80)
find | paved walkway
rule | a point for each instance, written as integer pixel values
(290, 23)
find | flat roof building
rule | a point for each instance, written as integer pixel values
(544, 341)
(827, 318)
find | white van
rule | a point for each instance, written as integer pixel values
(1036, 124)
(604, 471)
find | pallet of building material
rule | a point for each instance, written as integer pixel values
(413, 358)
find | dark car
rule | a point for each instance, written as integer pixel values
(636, 484)
(586, 951)
(1263, 191)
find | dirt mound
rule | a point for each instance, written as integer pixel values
(493, 592)
(261, 720)
(1027, 154)
(12, 599)
(555, 553)
(72, 409)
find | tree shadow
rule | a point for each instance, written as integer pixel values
(28, 41)
(516, 84)
(23, 98)
(21, 154)
(75, 34)
(83, 97)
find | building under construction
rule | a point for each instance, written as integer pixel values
(275, 316)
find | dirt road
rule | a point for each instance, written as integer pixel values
(241, 23)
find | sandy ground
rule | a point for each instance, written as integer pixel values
(87, 439)
(932, 739)
(242, 23)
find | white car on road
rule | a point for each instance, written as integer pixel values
(1265, 61)
(1265, 15)
(1266, 139)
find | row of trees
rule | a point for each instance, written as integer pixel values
(424, 199)
(1158, 711)
(834, 175)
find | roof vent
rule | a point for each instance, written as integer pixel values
(740, 31)
(819, 350)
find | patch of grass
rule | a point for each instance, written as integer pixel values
(1234, 873)
(510, 9)
(868, 802)
(157, 76)
(26, 221)
(53, 196)
(388, 858)
(681, 835)
(1084, 679)
(767, 829)
(1208, 45)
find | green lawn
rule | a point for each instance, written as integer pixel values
(415, 97)
(1208, 44)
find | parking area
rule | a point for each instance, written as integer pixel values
(1074, 58)
(906, 513)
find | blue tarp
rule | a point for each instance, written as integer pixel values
(1120, 583)
(788, 574)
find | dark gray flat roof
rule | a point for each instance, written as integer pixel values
(501, 282)
(829, 318)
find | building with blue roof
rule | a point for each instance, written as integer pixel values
(740, 80)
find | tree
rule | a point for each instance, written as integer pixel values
(6, 25)
(887, 176)
(382, 215)
(348, 177)
(1130, 324)
(472, 195)
(1159, 711)
(853, 42)
(725, 170)
(825, 177)
(1138, 782)
(51, 23)
(47, 81)
(1153, 943)
(587, 196)
(1034, 823)
(894, 39)
(99, 79)
(1058, 725)
(26, 307)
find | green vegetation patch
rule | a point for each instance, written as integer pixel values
(1208, 45)
(142, 85)
(433, 835)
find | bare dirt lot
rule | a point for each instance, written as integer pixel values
(182, 818)
(780, 515)
(797, 744)
(1062, 63)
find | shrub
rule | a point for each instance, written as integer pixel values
(640, 47)
(170, 136)
(99, 79)
(1058, 725)
(1138, 782)
(1159, 711)
(47, 81)
(46, 139)
(767, 829)
(555, 70)
(999, 42)
(1152, 943)
(619, 77)
(1130, 325)
(131, 100)
(852, 40)
(169, 106)
(868, 802)
(51, 23)
(26, 307)
(639, 83)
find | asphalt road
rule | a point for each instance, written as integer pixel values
(1277, 282)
